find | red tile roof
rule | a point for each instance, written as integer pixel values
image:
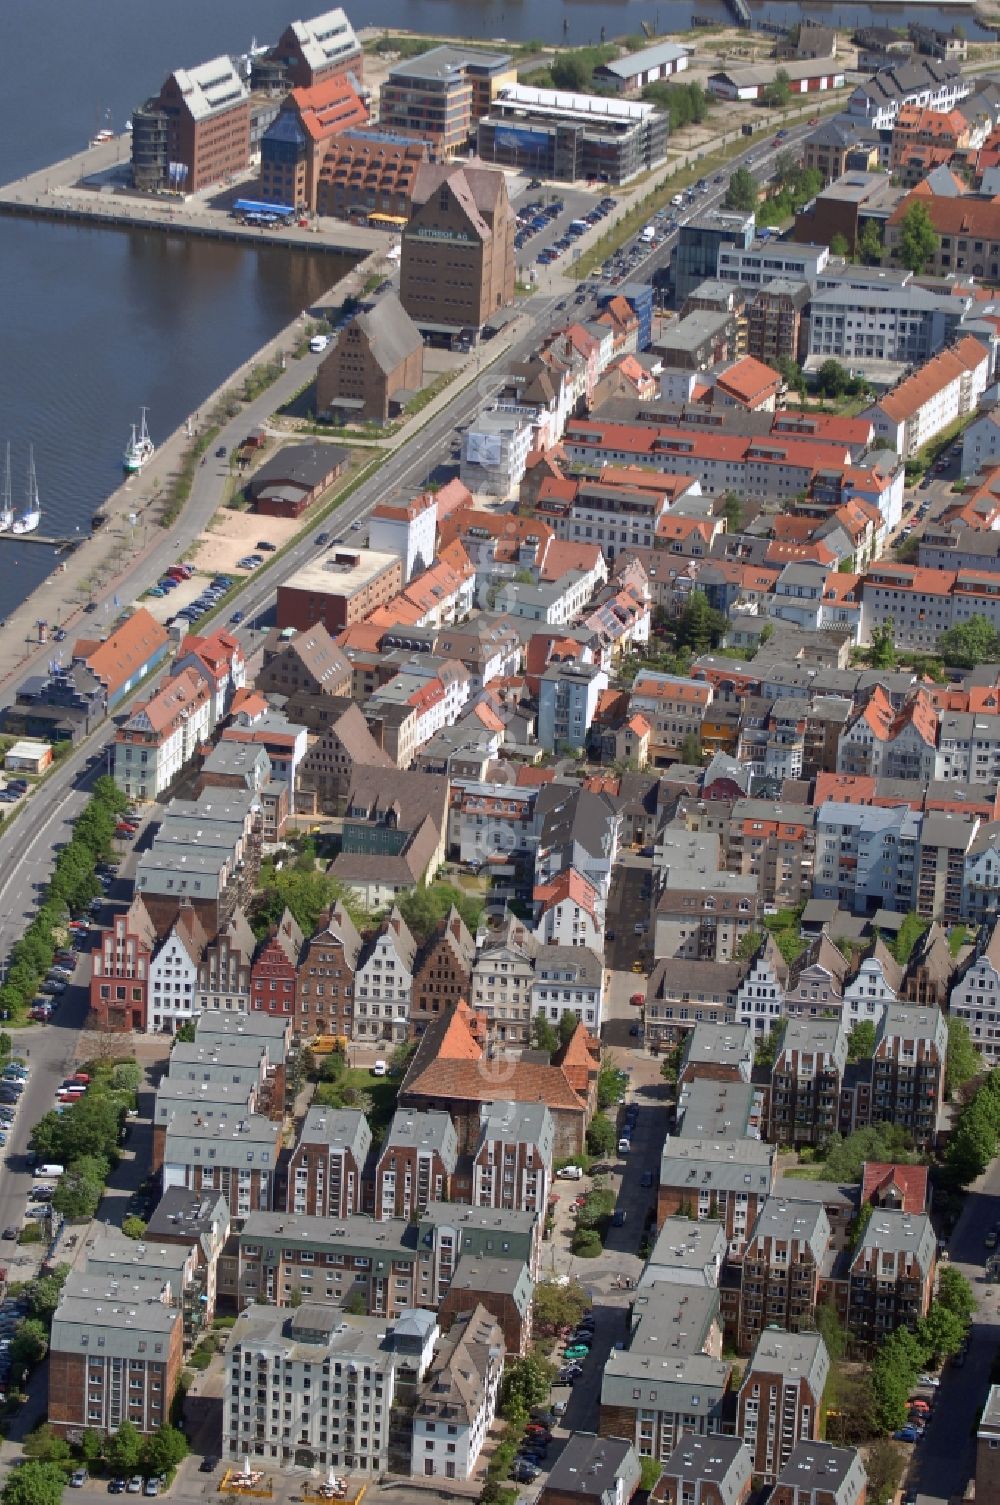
(127, 651)
(939, 372)
(910, 1180)
(749, 382)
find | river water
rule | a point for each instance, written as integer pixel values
(94, 323)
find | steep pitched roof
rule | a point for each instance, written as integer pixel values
(912, 1181)
(932, 377)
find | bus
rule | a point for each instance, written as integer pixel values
(257, 212)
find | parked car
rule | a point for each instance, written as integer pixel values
(116, 1486)
(134, 1485)
(78, 1478)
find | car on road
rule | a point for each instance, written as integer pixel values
(10, 1233)
(321, 538)
(78, 1478)
(221, 452)
(577, 1351)
(208, 1464)
(60, 635)
(236, 619)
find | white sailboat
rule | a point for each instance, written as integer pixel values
(7, 511)
(32, 514)
(139, 448)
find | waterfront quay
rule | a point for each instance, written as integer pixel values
(94, 187)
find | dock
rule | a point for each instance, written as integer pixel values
(46, 539)
(93, 188)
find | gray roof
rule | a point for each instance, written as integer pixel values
(826, 1037)
(112, 1256)
(441, 63)
(112, 1317)
(510, 1277)
(340, 1128)
(244, 1140)
(717, 1164)
(430, 1133)
(185, 1059)
(795, 1356)
(721, 1045)
(391, 333)
(300, 465)
(675, 1383)
(576, 965)
(684, 1243)
(890, 1231)
(272, 1032)
(634, 63)
(818, 1467)
(803, 1221)
(597, 1468)
(183, 1213)
(309, 1333)
(671, 1317)
(391, 1239)
(707, 1109)
(519, 1123)
(723, 1462)
(177, 1099)
(910, 1021)
(243, 758)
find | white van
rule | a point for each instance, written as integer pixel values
(49, 1172)
(570, 1173)
(624, 1145)
(318, 343)
(677, 200)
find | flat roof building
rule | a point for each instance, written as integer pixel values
(558, 134)
(440, 95)
(344, 586)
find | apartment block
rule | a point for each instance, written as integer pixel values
(890, 1282)
(415, 1165)
(784, 1259)
(730, 1179)
(327, 1166)
(818, 1474)
(779, 1403)
(512, 1164)
(703, 1471)
(806, 1081)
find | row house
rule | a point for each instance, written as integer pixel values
(489, 819)
(415, 1165)
(576, 828)
(947, 388)
(172, 999)
(503, 977)
(218, 659)
(975, 994)
(161, 735)
(806, 1081)
(569, 911)
(206, 852)
(681, 993)
(759, 1000)
(785, 1259)
(816, 984)
(890, 1283)
(879, 742)
(779, 1403)
(383, 983)
(327, 1165)
(981, 876)
(931, 969)
(726, 1179)
(325, 975)
(569, 980)
(717, 1053)
(458, 1399)
(442, 972)
(119, 982)
(620, 517)
(274, 972)
(704, 914)
(222, 983)
(876, 983)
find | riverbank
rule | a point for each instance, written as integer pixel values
(135, 511)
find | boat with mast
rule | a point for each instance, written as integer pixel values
(139, 448)
(32, 514)
(7, 511)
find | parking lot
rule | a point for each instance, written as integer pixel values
(544, 218)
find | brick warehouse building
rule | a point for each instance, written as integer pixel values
(343, 587)
(295, 145)
(195, 132)
(457, 263)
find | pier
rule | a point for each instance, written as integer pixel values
(46, 539)
(93, 188)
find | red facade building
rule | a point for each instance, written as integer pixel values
(119, 984)
(274, 972)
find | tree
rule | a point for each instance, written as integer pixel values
(741, 193)
(568, 1023)
(46, 1446)
(845, 1158)
(969, 644)
(942, 1333)
(79, 1193)
(732, 511)
(700, 627)
(650, 1470)
(164, 1449)
(831, 1330)
(977, 1133)
(571, 71)
(133, 1227)
(556, 1306)
(882, 646)
(777, 94)
(918, 238)
(861, 1041)
(91, 1448)
(426, 906)
(869, 247)
(907, 936)
(544, 1035)
(612, 1084)
(884, 1467)
(526, 1384)
(840, 245)
(832, 379)
(124, 1448)
(34, 1483)
(964, 1060)
(690, 749)
(601, 1138)
(356, 1304)
(126, 1076)
(955, 1293)
(893, 1371)
(42, 1295)
(29, 1344)
(767, 1046)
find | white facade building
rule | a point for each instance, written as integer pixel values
(408, 530)
(975, 997)
(173, 983)
(161, 736)
(383, 983)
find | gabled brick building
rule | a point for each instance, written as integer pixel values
(442, 972)
(119, 982)
(779, 1403)
(415, 1165)
(274, 973)
(324, 996)
(328, 1162)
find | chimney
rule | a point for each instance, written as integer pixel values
(456, 925)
